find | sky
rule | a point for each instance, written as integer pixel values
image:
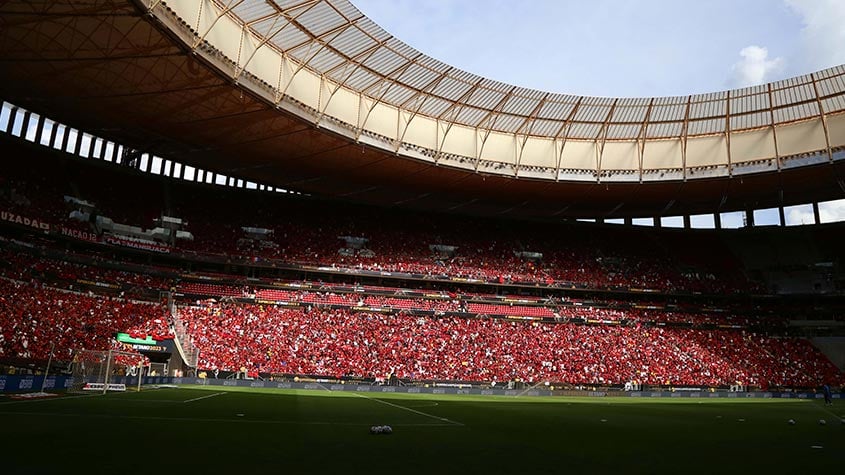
(622, 48)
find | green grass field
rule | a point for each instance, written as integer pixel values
(212, 430)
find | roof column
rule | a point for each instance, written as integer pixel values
(13, 115)
(55, 130)
(39, 131)
(66, 137)
(823, 117)
(25, 123)
(78, 148)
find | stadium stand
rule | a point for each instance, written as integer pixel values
(36, 317)
(307, 233)
(428, 320)
(338, 343)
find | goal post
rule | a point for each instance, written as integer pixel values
(104, 370)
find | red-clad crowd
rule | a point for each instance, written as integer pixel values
(345, 343)
(21, 266)
(472, 303)
(33, 318)
(307, 232)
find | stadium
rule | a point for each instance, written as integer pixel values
(247, 234)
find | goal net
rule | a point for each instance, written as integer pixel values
(103, 371)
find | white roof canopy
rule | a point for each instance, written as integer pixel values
(349, 73)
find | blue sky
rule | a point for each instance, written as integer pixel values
(622, 48)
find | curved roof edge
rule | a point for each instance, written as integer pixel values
(326, 62)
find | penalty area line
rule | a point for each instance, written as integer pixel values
(432, 416)
(202, 397)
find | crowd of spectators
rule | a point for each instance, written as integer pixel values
(70, 275)
(340, 342)
(307, 232)
(35, 318)
(313, 339)
(478, 305)
(27, 267)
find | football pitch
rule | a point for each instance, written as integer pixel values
(226, 430)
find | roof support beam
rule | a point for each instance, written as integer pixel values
(232, 4)
(772, 125)
(360, 57)
(355, 64)
(430, 86)
(420, 97)
(316, 41)
(641, 137)
(529, 121)
(490, 118)
(603, 134)
(260, 45)
(392, 74)
(454, 109)
(312, 38)
(823, 117)
(728, 131)
(385, 84)
(565, 126)
(684, 138)
(458, 105)
(319, 38)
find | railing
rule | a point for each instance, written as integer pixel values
(184, 342)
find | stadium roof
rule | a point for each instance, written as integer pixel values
(314, 96)
(333, 39)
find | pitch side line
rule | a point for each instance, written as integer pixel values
(202, 397)
(432, 416)
(217, 420)
(62, 398)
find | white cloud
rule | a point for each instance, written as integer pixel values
(800, 215)
(829, 212)
(823, 33)
(755, 67)
(832, 211)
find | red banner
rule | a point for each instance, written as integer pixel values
(77, 234)
(24, 221)
(136, 243)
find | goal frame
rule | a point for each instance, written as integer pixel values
(89, 378)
